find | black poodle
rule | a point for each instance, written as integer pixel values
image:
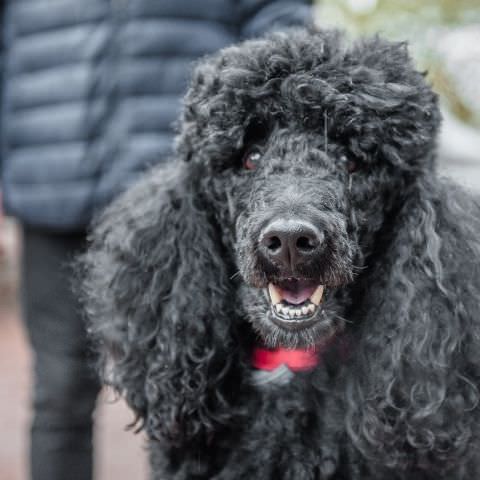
(297, 295)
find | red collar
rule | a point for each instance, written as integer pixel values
(300, 359)
(295, 359)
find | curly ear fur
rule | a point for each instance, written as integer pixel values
(157, 292)
(413, 389)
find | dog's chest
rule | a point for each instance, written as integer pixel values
(287, 427)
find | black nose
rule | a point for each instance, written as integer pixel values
(290, 242)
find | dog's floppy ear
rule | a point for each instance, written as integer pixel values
(416, 386)
(157, 293)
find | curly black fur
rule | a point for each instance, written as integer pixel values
(175, 284)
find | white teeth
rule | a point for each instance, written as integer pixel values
(293, 312)
(275, 296)
(316, 298)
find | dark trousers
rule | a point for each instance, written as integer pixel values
(65, 386)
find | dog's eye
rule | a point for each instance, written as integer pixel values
(251, 158)
(352, 166)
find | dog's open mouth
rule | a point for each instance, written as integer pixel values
(295, 302)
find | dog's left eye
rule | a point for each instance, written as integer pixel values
(251, 159)
(352, 166)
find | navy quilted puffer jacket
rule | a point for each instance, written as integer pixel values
(92, 88)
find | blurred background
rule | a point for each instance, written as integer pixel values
(444, 37)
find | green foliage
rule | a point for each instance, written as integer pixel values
(423, 23)
(398, 17)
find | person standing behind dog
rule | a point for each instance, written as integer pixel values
(90, 91)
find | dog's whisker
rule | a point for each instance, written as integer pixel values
(359, 268)
(336, 316)
(236, 274)
(325, 131)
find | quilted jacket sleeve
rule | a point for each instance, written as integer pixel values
(92, 90)
(260, 16)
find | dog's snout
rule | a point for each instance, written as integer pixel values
(290, 242)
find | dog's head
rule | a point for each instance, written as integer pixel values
(303, 163)
(305, 145)
(294, 152)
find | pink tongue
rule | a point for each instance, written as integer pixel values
(297, 296)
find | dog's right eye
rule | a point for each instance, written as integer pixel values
(352, 166)
(251, 159)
